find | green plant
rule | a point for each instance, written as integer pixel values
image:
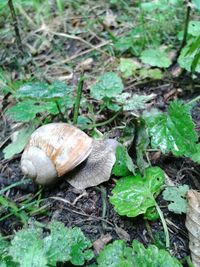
(118, 254)
(33, 247)
(173, 132)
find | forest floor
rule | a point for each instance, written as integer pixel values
(55, 54)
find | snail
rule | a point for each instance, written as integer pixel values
(61, 150)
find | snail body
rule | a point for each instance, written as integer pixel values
(56, 149)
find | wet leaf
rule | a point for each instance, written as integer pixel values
(156, 58)
(41, 90)
(27, 110)
(176, 195)
(123, 164)
(18, 145)
(27, 248)
(108, 85)
(133, 195)
(173, 131)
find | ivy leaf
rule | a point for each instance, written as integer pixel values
(18, 145)
(173, 131)
(27, 248)
(133, 195)
(176, 195)
(152, 256)
(116, 254)
(123, 164)
(27, 110)
(108, 85)
(80, 245)
(156, 58)
(57, 244)
(128, 66)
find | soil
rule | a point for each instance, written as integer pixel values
(90, 210)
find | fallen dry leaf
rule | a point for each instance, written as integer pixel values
(101, 242)
(122, 234)
(193, 225)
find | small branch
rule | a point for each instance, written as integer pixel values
(78, 98)
(16, 27)
(167, 241)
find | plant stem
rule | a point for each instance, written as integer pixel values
(78, 98)
(104, 122)
(185, 31)
(16, 27)
(193, 100)
(59, 110)
(167, 241)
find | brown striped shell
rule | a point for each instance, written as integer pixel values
(53, 150)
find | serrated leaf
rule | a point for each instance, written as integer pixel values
(116, 254)
(152, 256)
(156, 58)
(123, 164)
(27, 110)
(108, 85)
(18, 145)
(57, 244)
(137, 102)
(176, 195)
(188, 55)
(173, 131)
(41, 90)
(128, 66)
(80, 247)
(27, 248)
(133, 195)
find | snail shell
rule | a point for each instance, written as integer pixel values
(53, 150)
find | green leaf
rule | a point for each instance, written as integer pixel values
(133, 195)
(196, 3)
(151, 73)
(195, 156)
(176, 195)
(19, 143)
(57, 244)
(80, 245)
(5, 259)
(27, 110)
(116, 254)
(194, 28)
(156, 58)
(27, 248)
(41, 90)
(123, 164)
(152, 256)
(128, 66)
(190, 54)
(174, 131)
(108, 85)
(137, 102)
